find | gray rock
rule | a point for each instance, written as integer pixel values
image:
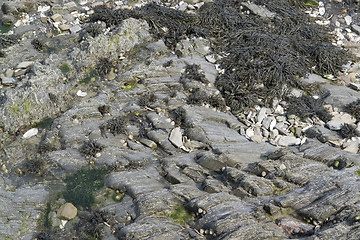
(176, 137)
(8, 19)
(75, 29)
(8, 81)
(313, 78)
(288, 141)
(259, 10)
(25, 64)
(334, 125)
(340, 95)
(56, 17)
(70, 6)
(355, 28)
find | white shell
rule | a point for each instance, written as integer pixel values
(30, 133)
(81, 93)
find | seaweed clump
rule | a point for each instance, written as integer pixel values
(103, 67)
(348, 131)
(115, 125)
(89, 226)
(353, 108)
(262, 57)
(104, 109)
(194, 72)
(38, 44)
(91, 148)
(35, 166)
(308, 106)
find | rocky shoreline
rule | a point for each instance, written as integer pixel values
(114, 126)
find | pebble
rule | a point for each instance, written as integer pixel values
(261, 114)
(75, 29)
(25, 64)
(8, 81)
(334, 125)
(56, 17)
(288, 141)
(67, 211)
(355, 28)
(176, 137)
(30, 133)
(9, 72)
(353, 147)
(249, 132)
(256, 138)
(348, 19)
(81, 93)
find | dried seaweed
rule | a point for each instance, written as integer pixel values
(193, 72)
(308, 106)
(115, 125)
(353, 108)
(348, 131)
(104, 109)
(103, 66)
(263, 56)
(147, 99)
(91, 148)
(36, 166)
(38, 44)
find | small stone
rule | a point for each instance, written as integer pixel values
(279, 109)
(183, 6)
(334, 125)
(56, 17)
(249, 132)
(75, 29)
(282, 167)
(288, 141)
(25, 64)
(176, 137)
(8, 81)
(356, 29)
(261, 115)
(353, 147)
(97, 155)
(355, 86)
(348, 19)
(9, 72)
(43, 19)
(30, 133)
(67, 211)
(75, 121)
(81, 93)
(274, 133)
(272, 124)
(70, 6)
(64, 27)
(19, 72)
(321, 11)
(148, 143)
(256, 138)
(210, 58)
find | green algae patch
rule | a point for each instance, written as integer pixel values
(90, 76)
(45, 123)
(310, 3)
(357, 172)
(179, 214)
(65, 68)
(5, 28)
(81, 186)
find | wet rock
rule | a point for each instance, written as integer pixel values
(67, 211)
(294, 227)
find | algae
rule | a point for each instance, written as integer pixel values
(65, 68)
(180, 215)
(45, 123)
(81, 186)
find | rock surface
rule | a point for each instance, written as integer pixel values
(116, 128)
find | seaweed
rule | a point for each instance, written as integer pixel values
(80, 187)
(193, 72)
(104, 109)
(91, 148)
(308, 106)
(8, 40)
(198, 96)
(353, 108)
(262, 56)
(179, 116)
(35, 166)
(103, 66)
(89, 225)
(38, 44)
(147, 99)
(348, 131)
(43, 236)
(115, 125)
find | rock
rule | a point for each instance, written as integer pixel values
(8, 81)
(261, 11)
(148, 143)
(25, 64)
(355, 86)
(176, 137)
(256, 138)
(30, 133)
(8, 20)
(56, 17)
(355, 28)
(183, 6)
(9, 73)
(81, 93)
(334, 125)
(67, 211)
(313, 78)
(249, 132)
(353, 147)
(348, 19)
(75, 29)
(70, 6)
(261, 115)
(288, 141)
(64, 27)
(295, 227)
